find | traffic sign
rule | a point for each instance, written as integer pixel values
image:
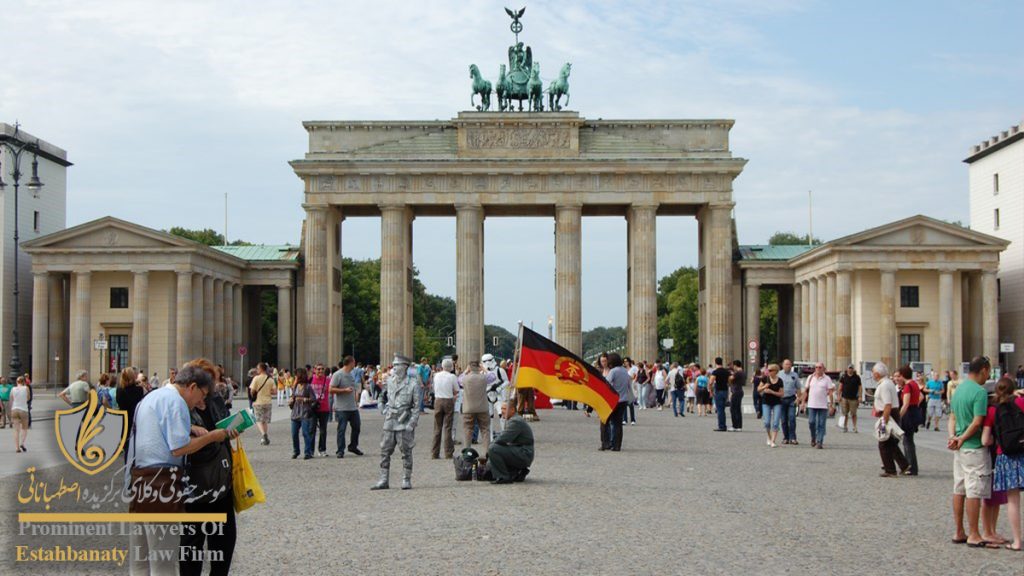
(667, 342)
(1006, 347)
(752, 344)
(99, 344)
(242, 350)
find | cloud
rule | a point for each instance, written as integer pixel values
(165, 106)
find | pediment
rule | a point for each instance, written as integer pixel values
(108, 233)
(920, 231)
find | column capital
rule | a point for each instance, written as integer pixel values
(887, 269)
(573, 206)
(319, 208)
(140, 272)
(82, 273)
(466, 207)
(40, 274)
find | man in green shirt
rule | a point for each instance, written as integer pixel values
(972, 468)
(77, 393)
(5, 403)
(511, 453)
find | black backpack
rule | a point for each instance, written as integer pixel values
(1009, 428)
(680, 381)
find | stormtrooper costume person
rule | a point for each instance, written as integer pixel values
(496, 393)
(401, 414)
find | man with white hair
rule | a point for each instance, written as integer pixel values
(886, 407)
(77, 393)
(401, 414)
(446, 388)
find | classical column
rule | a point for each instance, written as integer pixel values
(568, 287)
(830, 321)
(284, 326)
(752, 322)
(643, 284)
(197, 316)
(822, 318)
(81, 324)
(218, 322)
(976, 316)
(58, 329)
(236, 332)
(317, 285)
(408, 322)
(184, 329)
(965, 317)
(990, 316)
(208, 320)
(798, 321)
(469, 282)
(844, 350)
(140, 321)
(813, 354)
(228, 342)
(718, 264)
(946, 339)
(888, 352)
(806, 312)
(40, 327)
(394, 228)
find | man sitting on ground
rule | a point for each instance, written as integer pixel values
(511, 454)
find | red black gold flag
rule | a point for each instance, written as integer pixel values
(559, 373)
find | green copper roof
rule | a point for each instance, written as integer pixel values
(261, 252)
(764, 252)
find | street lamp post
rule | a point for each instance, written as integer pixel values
(16, 148)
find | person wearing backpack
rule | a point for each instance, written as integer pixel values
(1005, 428)
(678, 391)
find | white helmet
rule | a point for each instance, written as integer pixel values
(488, 362)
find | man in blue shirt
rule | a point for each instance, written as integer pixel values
(934, 388)
(790, 396)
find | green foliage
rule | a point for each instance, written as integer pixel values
(208, 236)
(360, 304)
(791, 239)
(506, 346)
(602, 339)
(769, 337)
(268, 326)
(678, 314)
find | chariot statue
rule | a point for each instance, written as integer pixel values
(520, 79)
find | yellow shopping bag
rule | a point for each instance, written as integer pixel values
(247, 489)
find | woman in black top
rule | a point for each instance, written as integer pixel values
(129, 394)
(770, 389)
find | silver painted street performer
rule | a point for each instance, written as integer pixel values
(401, 414)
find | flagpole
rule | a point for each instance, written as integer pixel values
(517, 358)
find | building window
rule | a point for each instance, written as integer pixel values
(995, 183)
(118, 297)
(910, 297)
(995, 219)
(35, 220)
(910, 348)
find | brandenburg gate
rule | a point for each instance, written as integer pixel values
(493, 164)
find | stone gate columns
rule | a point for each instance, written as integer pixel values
(843, 320)
(208, 323)
(395, 282)
(643, 283)
(946, 339)
(197, 315)
(798, 318)
(317, 285)
(813, 354)
(887, 325)
(140, 321)
(568, 286)
(217, 351)
(976, 343)
(752, 321)
(806, 320)
(716, 239)
(227, 345)
(990, 316)
(40, 326)
(469, 282)
(81, 321)
(821, 328)
(57, 329)
(236, 332)
(284, 326)
(184, 336)
(830, 321)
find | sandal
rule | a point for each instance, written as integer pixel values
(1010, 547)
(983, 544)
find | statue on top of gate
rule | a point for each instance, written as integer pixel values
(521, 80)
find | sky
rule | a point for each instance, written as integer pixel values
(164, 107)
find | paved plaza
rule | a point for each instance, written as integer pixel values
(679, 499)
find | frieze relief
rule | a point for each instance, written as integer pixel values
(512, 183)
(531, 138)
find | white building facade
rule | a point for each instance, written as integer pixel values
(996, 183)
(39, 213)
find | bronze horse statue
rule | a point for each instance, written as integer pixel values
(481, 87)
(558, 88)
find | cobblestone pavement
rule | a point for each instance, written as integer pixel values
(679, 499)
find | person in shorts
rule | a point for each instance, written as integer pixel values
(934, 387)
(261, 390)
(849, 392)
(972, 467)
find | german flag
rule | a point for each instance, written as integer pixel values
(559, 373)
